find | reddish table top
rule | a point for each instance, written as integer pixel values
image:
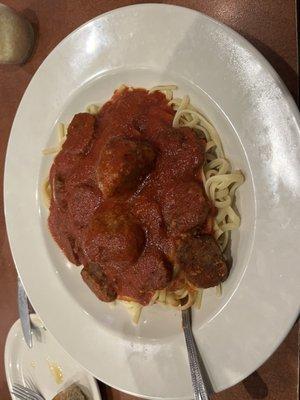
(270, 25)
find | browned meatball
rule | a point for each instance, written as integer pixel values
(151, 272)
(80, 133)
(62, 235)
(113, 236)
(98, 282)
(155, 270)
(77, 143)
(83, 200)
(184, 206)
(124, 163)
(58, 191)
(202, 260)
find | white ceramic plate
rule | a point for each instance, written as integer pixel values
(233, 84)
(37, 363)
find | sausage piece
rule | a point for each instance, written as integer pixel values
(202, 260)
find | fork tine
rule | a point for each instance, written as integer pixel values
(28, 394)
(30, 384)
(18, 396)
(21, 396)
(21, 387)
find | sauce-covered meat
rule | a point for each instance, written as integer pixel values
(113, 236)
(179, 216)
(126, 195)
(97, 281)
(123, 165)
(150, 273)
(202, 260)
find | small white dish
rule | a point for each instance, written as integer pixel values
(40, 363)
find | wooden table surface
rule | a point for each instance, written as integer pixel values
(270, 25)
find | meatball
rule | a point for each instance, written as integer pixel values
(202, 260)
(152, 272)
(113, 236)
(154, 269)
(98, 282)
(77, 144)
(60, 230)
(59, 196)
(80, 133)
(83, 200)
(124, 163)
(184, 206)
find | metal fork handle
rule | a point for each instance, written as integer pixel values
(197, 371)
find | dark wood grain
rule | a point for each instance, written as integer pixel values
(270, 25)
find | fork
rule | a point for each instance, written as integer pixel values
(200, 380)
(24, 393)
